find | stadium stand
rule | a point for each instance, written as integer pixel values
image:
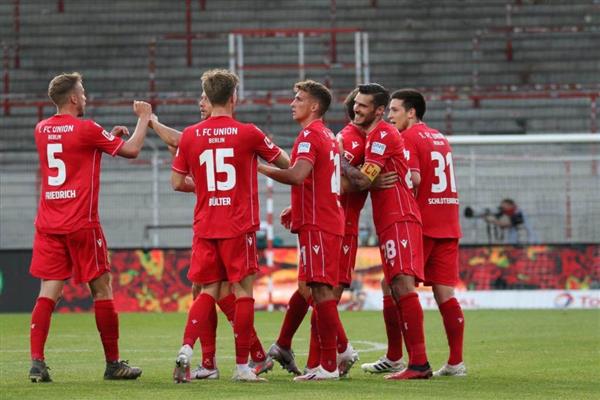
(497, 66)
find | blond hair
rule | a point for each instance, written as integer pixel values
(317, 91)
(60, 87)
(219, 85)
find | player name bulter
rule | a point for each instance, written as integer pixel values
(219, 201)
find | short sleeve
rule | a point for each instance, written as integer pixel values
(101, 139)
(353, 150)
(307, 146)
(265, 148)
(378, 150)
(180, 164)
(411, 152)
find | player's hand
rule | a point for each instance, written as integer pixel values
(286, 218)
(386, 180)
(119, 131)
(142, 109)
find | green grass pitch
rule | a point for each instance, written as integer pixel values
(510, 355)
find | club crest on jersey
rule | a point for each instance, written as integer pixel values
(303, 147)
(316, 249)
(355, 144)
(269, 143)
(108, 135)
(306, 132)
(383, 134)
(348, 156)
(378, 148)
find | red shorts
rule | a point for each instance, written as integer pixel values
(218, 260)
(347, 259)
(441, 261)
(81, 255)
(319, 257)
(401, 248)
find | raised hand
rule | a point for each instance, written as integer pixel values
(142, 109)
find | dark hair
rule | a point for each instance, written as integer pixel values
(318, 91)
(60, 87)
(219, 85)
(511, 202)
(349, 103)
(411, 98)
(381, 96)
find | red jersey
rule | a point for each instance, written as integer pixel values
(316, 202)
(221, 154)
(385, 148)
(430, 154)
(70, 152)
(353, 140)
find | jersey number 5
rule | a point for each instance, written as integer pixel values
(208, 157)
(51, 150)
(440, 172)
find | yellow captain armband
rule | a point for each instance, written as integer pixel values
(371, 170)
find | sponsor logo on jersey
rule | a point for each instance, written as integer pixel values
(316, 249)
(108, 135)
(306, 132)
(304, 147)
(99, 241)
(383, 134)
(404, 242)
(250, 240)
(355, 144)
(378, 148)
(346, 248)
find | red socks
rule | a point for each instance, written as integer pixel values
(454, 323)
(227, 305)
(393, 328)
(297, 309)
(40, 325)
(107, 322)
(342, 339)
(327, 323)
(412, 316)
(314, 352)
(202, 324)
(242, 326)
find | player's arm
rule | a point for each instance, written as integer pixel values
(170, 136)
(294, 175)
(182, 183)
(282, 161)
(132, 147)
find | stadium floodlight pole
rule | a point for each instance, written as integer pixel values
(240, 64)
(365, 57)
(357, 57)
(232, 52)
(301, 55)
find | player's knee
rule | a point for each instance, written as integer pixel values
(442, 293)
